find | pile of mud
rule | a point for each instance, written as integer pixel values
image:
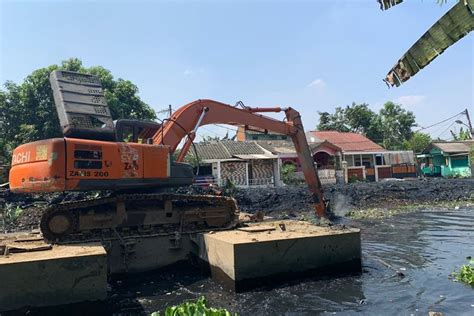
(294, 201)
(284, 202)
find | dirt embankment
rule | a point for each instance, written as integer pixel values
(356, 199)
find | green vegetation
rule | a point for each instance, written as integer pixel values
(392, 208)
(229, 187)
(9, 215)
(391, 127)
(463, 134)
(27, 110)
(417, 142)
(197, 308)
(465, 273)
(353, 179)
(288, 172)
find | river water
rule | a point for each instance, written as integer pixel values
(407, 260)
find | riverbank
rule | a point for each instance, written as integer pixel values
(361, 199)
(356, 200)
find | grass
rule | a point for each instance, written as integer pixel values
(194, 308)
(465, 273)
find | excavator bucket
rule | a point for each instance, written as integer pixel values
(82, 109)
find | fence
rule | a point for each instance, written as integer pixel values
(205, 181)
(262, 181)
(378, 173)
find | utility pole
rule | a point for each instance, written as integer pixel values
(170, 110)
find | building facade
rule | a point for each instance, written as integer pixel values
(447, 159)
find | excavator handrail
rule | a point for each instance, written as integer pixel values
(186, 120)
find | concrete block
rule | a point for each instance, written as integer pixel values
(242, 258)
(62, 275)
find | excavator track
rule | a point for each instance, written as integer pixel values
(136, 215)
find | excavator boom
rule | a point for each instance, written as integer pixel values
(189, 117)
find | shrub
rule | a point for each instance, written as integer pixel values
(197, 308)
(288, 173)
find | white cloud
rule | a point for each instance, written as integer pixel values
(193, 71)
(317, 83)
(411, 100)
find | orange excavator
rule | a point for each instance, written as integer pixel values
(134, 160)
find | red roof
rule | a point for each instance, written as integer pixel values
(347, 141)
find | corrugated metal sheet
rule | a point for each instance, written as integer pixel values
(400, 157)
(453, 26)
(277, 146)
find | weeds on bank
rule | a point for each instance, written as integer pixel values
(465, 273)
(197, 308)
(9, 214)
(386, 212)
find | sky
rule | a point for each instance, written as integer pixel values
(310, 55)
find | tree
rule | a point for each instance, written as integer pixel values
(27, 110)
(390, 127)
(357, 118)
(396, 124)
(418, 142)
(462, 135)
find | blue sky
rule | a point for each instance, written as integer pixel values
(311, 55)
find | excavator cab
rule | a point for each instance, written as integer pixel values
(135, 131)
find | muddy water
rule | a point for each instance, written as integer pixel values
(406, 261)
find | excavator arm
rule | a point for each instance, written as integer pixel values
(186, 120)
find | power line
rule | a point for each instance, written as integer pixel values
(450, 118)
(439, 128)
(439, 136)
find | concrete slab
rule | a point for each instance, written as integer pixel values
(242, 258)
(62, 275)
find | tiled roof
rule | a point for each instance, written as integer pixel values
(452, 147)
(242, 148)
(226, 149)
(345, 141)
(211, 150)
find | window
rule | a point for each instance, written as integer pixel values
(459, 161)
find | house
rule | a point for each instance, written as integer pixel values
(323, 154)
(364, 159)
(447, 159)
(242, 163)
